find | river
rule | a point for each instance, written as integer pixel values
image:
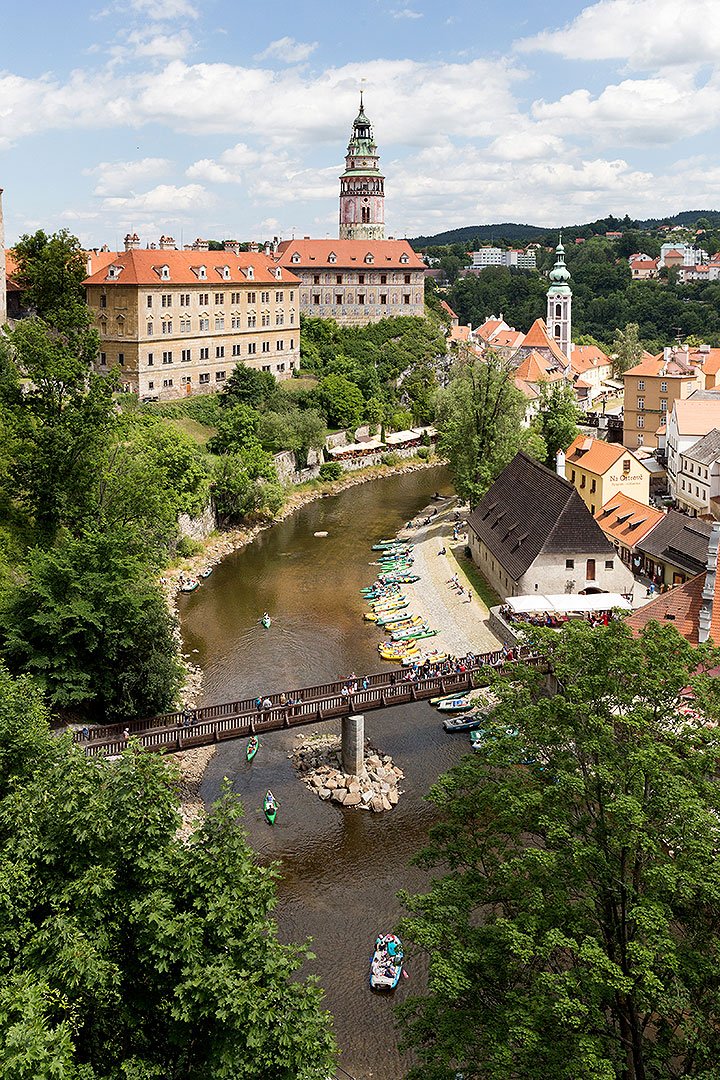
(341, 869)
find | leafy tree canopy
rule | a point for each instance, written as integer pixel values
(51, 269)
(572, 924)
(125, 953)
(479, 423)
(558, 417)
(340, 401)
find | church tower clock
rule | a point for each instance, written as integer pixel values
(362, 186)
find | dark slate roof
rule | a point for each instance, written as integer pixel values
(706, 450)
(531, 510)
(679, 540)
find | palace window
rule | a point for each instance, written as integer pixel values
(251, 297)
(663, 388)
(167, 326)
(406, 298)
(184, 299)
(641, 403)
(186, 355)
(361, 298)
(185, 326)
(166, 300)
(338, 298)
(278, 298)
(150, 360)
(266, 346)
(383, 298)
(167, 382)
(279, 345)
(252, 321)
(265, 320)
(204, 324)
(220, 376)
(383, 279)
(235, 297)
(316, 298)
(219, 299)
(279, 318)
(121, 359)
(236, 350)
(641, 421)
(316, 279)
(167, 358)
(219, 322)
(641, 384)
(149, 299)
(205, 353)
(149, 329)
(103, 300)
(203, 299)
(219, 352)
(103, 358)
(264, 297)
(252, 348)
(204, 377)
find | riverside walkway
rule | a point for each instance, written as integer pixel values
(310, 704)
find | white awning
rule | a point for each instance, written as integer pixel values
(567, 603)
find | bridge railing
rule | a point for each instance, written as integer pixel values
(236, 719)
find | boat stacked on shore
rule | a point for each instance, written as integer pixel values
(389, 607)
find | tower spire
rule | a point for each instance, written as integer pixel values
(559, 302)
(362, 185)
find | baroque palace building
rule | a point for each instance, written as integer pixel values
(177, 322)
(361, 277)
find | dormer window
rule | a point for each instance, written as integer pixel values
(224, 272)
(250, 273)
(165, 273)
(295, 257)
(404, 258)
(332, 257)
(201, 272)
(369, 258)
(278, 274)
(114, 273)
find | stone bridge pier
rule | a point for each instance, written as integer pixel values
(353, 744)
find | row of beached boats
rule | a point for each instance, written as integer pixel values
(190, 584)
(388, 606)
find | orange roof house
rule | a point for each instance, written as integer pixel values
(599, 470)
(454, 320)
(538, 338)
(535, 368)
(153, 267)
(625, 521)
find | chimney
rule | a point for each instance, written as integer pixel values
(708, 593)
(252, 246)
(132, 242)
(560, 463)
(268, 247)
(166, 243)
(667, 352)
(276, 244)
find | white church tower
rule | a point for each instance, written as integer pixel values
(559, 305)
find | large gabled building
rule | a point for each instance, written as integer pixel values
(532, 533)
(177, 322)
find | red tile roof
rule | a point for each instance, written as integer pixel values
(536, 367)
(587, 357)
(537, 337)
(595, 455)
(451, 313)
(626, 519)
(681, 608)
(696, 417)
(386, 254)
(142, 267)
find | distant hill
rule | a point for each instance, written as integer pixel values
(513, 231)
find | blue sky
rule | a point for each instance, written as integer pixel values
(229, 119)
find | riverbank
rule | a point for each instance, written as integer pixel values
(219, 545)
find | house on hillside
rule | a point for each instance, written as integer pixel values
(599, 470)
(532, 533)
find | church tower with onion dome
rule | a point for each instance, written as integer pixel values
(559, 303)
(362, 185)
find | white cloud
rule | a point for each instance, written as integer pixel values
(288, 50)
(166, 10)
(646, 33)
(120, 177)
(641, 112)
(166, 199)
(161, 46)
(407, 13)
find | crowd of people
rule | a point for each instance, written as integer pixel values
(552, 619)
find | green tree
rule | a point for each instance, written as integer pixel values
(51, 270)
(626, 348)
(236, 428)
(479, 423)
(59, 415)
(341, 401)
(246, 483)
(84, 621)
(557, 418)
(126, 953)
(299, 430)
(248, 386)
(572, 924)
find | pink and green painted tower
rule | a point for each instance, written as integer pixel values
(362, 186)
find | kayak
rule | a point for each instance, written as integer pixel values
(457, 704)
(429, 658)
(206, 572)
(270, 808)
(410, 631)
(401, 579)
(252, 747)
(266, 621)
(405, 622)
(189, 586)
(386, 963)
(467, 722)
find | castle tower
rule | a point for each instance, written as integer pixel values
(559, 305)
(362, 186)
(3, 278)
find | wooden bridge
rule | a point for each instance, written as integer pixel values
(239, 719)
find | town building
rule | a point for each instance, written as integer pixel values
(674, 254)
(697, 483)
(626, 522)
(689, 421)
(538, 340)
(644, 269)
(651, 389)
(692, 608)
(590, 365)
(675, 550)
(177, 322)
(355, 282)
(598, 470)
(362, 185)
(495, 256)
(532, 533)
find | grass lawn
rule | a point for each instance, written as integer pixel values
(197, 431)
(303, 382)
(488, 596)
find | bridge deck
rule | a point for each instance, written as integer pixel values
(238, 719)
